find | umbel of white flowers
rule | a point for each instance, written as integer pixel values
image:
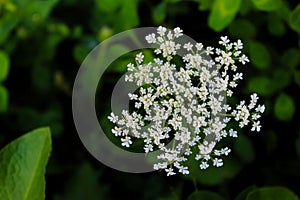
(186, 103)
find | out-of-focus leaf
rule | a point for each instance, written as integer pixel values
(7, 23)
(275, 25)
(291, 58)
(104, 33)
(267, 5)
(297, 145)
(159, 13)
(259, 55)
(82, 49)
(297, 77)
(213, 175)
(222, 13)
(109, 6)
(205, 4)
(281, 78)
(262, 85)
(4, 65)
(295, 19)
(244, 149)
(272, 193)
(3, 99)
(243, 195)
(198, 195)
(246, 7)
(242, 28)
(42, 78)
(23, 164)
(121, 64)
(128, 16)
(37, 11)
(84, 184)
(284, 107)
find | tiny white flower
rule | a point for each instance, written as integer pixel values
(177, 32)
(113, 118)
(204, 165)
(151, 38)
(188, 46)
(199, 46)
(139, 58)
(126, 141)
(224, 40)
(170, 171)
(260, 108)
(243, 59)
(217, 162)
(161, 30)
(256, 126)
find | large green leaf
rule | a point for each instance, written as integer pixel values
(222, 13)
(267, 5)
(205, 195)
(22, 166)
(272, 193)
(295, 19)
(284, 107)
(4, 65)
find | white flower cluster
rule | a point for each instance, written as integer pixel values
(181, 109)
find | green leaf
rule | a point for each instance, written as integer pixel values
(259, 55)
(284, 107)
(281, 78)
(108, 5)
(42, 78)
(295, 19)
(272, 193)
(213, 175)
(7, 23)
(291, 58)
(3, 99)
(297, 145)
(205, 195)
(22, 164)
(242, 28)
(244, 149)
(129, 14)
(205, 4)
(297, 77)
(261, 85)
(84, 184)
(245, 192)
(276, 25)
(4, 65)
(159, 13)
(222, 13)
(267, 5)
(37, 11)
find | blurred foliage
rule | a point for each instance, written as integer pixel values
(43, 43)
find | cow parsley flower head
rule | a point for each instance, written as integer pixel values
(186, 103)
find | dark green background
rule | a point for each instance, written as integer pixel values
(44, 43)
